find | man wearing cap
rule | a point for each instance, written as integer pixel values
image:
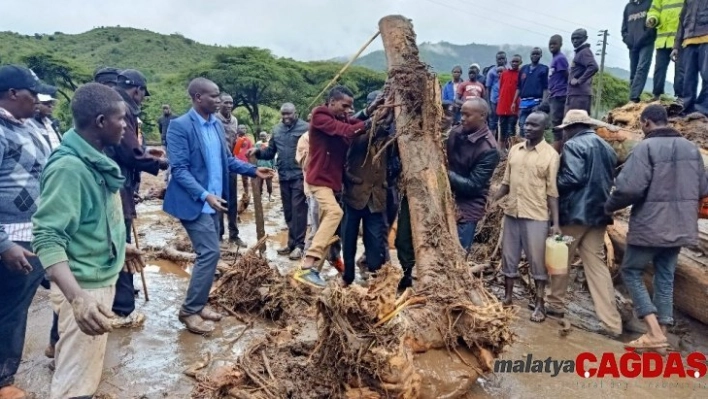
(23, 155)
(107, 76)
(585, 179)
(132, 160)
(44, 122)
(471, 88)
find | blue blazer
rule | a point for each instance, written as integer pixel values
(190, 177)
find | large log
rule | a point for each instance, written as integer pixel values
(690, 281)
(458, 308)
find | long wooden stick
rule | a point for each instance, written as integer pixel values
(258, 207)
(339, 74)
(142, 272)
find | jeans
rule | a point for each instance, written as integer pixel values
(523, 114)
(639, 64)
(16, 293)
(124, 302)
(204, 235)
(404, 239)
(695, 63)
(507, 126)
(493, 118)
(295, 209)
(661, 65)
(374, 239)
(634, 263)
(466, 233)
(557, 111)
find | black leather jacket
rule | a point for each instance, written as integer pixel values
(585, 179)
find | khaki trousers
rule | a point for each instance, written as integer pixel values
(78, 357)
(589, 242)
(330, 216)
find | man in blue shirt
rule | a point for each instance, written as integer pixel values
(198, 192)
(532, 89)
(492, 83)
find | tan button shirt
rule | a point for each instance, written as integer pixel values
(531, 177)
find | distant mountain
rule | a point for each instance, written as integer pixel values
(443, 56)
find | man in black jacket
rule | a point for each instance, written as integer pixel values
(284, 143)
(584, 181)
(132, 160)
(663, 180)
(692, 35)
(472, 157)
(640, 42)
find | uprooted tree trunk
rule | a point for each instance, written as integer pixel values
(459, 309)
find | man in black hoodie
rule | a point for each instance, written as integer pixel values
(582, 70)
(640, 42)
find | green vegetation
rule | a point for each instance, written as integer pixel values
(259, 81)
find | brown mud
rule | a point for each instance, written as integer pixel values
(150, 362)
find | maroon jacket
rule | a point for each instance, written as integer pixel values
(329, 142)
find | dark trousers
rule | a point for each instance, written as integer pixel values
(695, 63)
(661, 65)
(124, 302)
(374, 239)
(404, 239)
(507, 126)
(16, 293)
(295, 209)
(578, 102)
(639, 64)
(268, 183)
(465, 231)
(523, 114)
(634, 263)
(204, 235)
(493, 118)
(232, 215)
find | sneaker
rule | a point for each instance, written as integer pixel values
(238, 242)
(284, 251)
(338, 265)
(133, 320)
(270, 198)
(296, 254)
(310, 277)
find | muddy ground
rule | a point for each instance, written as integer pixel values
(149, 362)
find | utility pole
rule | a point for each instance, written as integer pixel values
(598, 94)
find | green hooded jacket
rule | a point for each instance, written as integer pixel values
(80, 218)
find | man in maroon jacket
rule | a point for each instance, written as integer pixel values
(330, 133)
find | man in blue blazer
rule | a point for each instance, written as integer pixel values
(198, 191)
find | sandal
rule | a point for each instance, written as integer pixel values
(644, 342)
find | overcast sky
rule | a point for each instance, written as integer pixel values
(324, 29)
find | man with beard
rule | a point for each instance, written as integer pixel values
(283, 142)
(194, 195)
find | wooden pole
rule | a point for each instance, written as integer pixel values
(258, 207)
(344, 68)
(142, 272)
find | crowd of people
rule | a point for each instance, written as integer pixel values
(69, 199)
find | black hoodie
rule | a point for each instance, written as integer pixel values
(635, 34)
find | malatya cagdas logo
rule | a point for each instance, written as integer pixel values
(630, 364)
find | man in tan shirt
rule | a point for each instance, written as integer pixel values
(530, 183)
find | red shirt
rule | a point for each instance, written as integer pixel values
(468, 90)
(508, 83)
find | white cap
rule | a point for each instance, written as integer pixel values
(43, 98)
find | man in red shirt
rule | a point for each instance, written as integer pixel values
(470, 89)
(508, 116)
(331, 131)
(242, 145)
